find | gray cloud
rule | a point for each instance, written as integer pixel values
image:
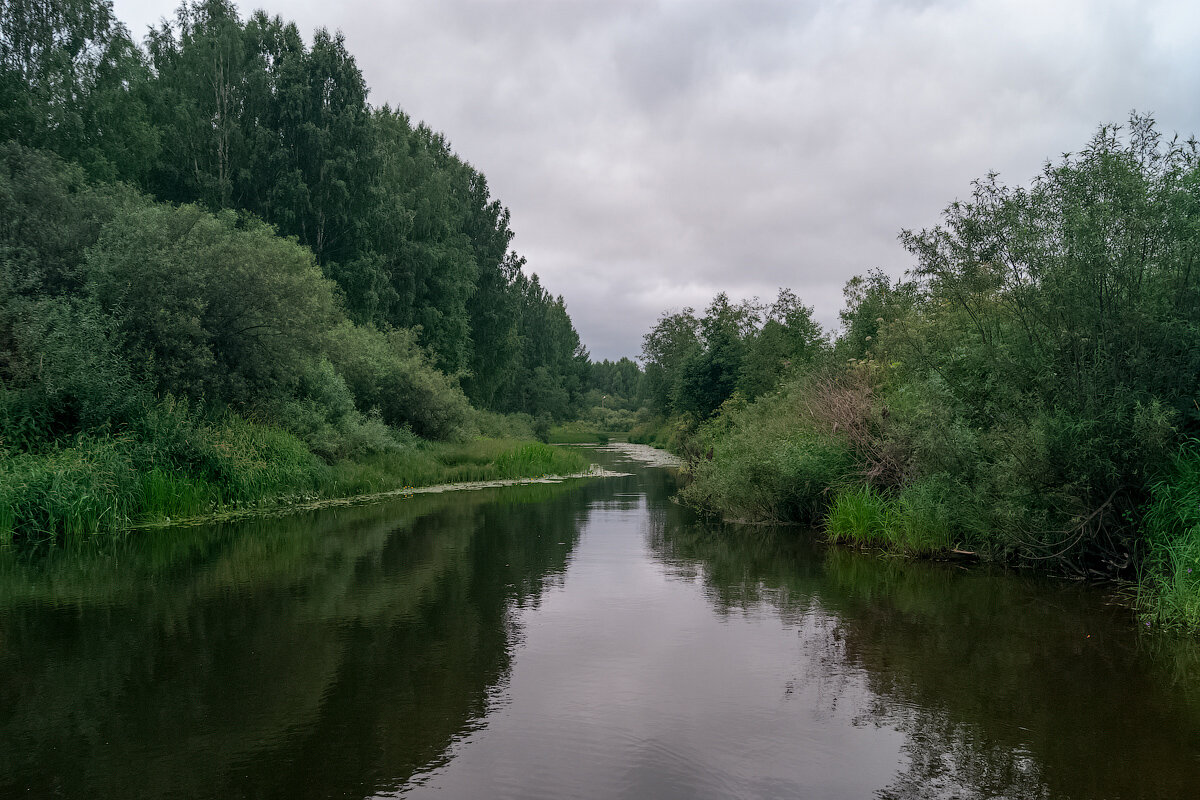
(654, 153)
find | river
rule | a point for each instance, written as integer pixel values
(589, 639)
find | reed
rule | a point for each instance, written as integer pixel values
(177, 470)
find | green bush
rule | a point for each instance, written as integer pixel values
(672, 434)
(325, 418)
(760, 463)
(62, 374)
(214, 307)
(389, 371)
(494, 425)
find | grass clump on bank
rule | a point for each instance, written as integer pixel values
(667, 433)
(918, 521)
(579, 432)
(1169, 585)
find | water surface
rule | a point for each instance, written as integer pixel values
(582, 640)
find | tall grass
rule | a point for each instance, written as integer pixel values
(860, 516)
(919, 520)
(170, 495)
(178, 469)
(535, 458)
(90, 487)
(1169, 581)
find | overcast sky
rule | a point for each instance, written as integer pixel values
(655, 153)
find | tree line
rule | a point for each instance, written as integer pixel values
(231, 114)
(223, 270)
(1026, 392)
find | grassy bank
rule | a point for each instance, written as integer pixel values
(582, 433)
(98, 484)
(1169, 580)
(779, 460)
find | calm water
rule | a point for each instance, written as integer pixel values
(584, 640)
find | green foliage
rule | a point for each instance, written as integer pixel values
(860, 516)
(694, 364)
(1169, 586)
(1049, 312)
(73, 81)
(49, 215)
(323, 415)
(387, 371)
(763, 462)
(214, 307)
(407, 229)
(493, 425)
(551, 369)
(63, 373)
(319, 287)
(1011, 396)
(672, 434)
(789, 342)
(619, 383)
(243, 115)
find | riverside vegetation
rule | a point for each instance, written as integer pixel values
(1029, 392)
(226, 280)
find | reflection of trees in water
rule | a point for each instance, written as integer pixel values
(991, 677)
(319, 655)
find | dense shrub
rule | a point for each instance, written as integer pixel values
(63, 372)
(387, 370)
(324, 416)
(762, 462)
(211, 307)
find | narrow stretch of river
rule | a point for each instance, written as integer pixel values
(589, 639)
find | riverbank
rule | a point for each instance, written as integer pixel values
(594, 471)
(101, 485)
(773, 461)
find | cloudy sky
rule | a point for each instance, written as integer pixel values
(655, 153)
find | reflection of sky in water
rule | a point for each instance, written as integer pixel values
(627, 684)
(574, 640)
